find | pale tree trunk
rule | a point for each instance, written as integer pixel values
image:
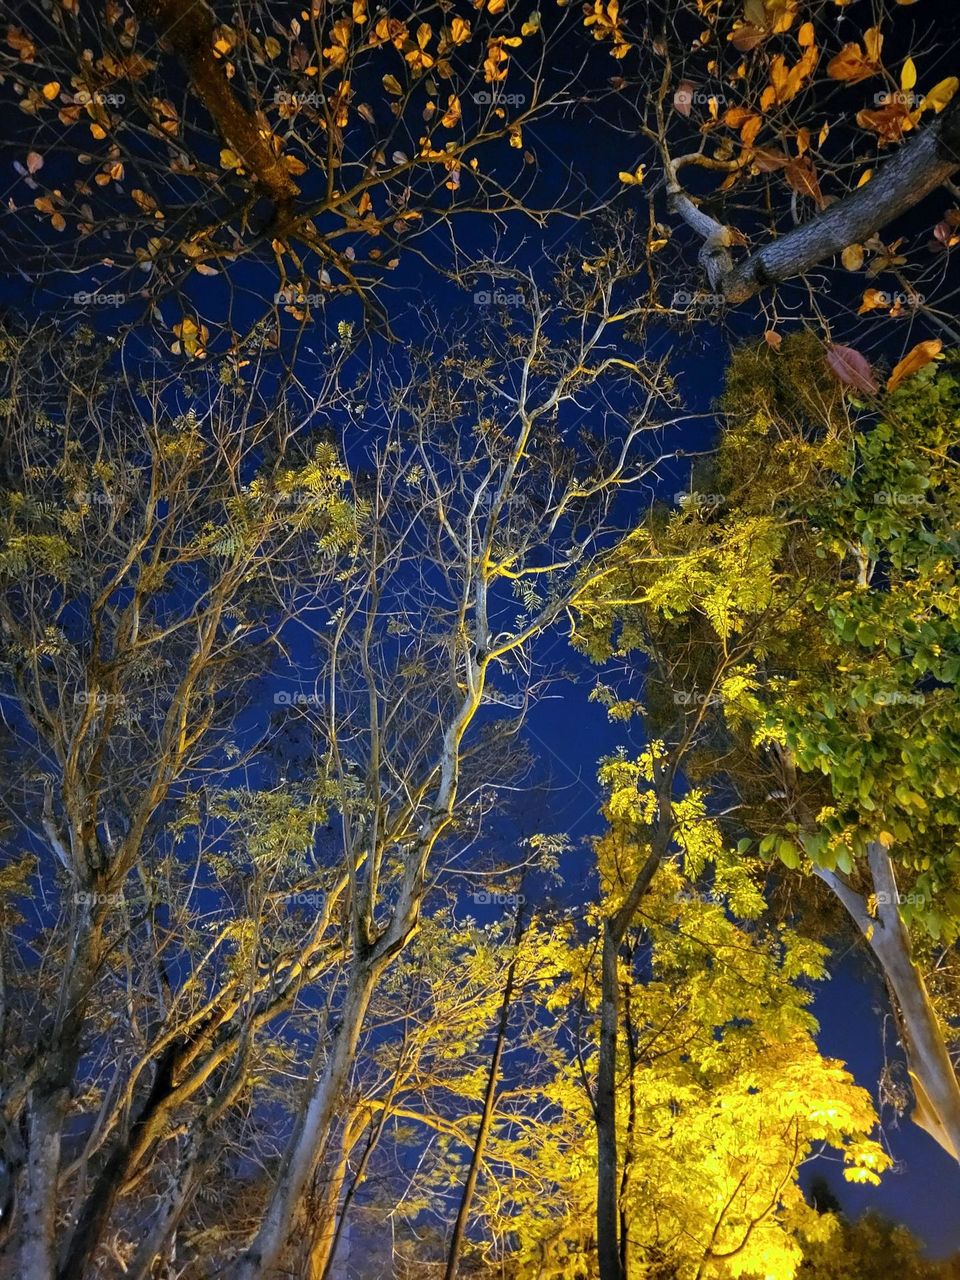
(313, 1127)
(932, 1074)
(326, 1231)
(32, 1243)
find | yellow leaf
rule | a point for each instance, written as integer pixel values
(98, 131)
(271, 47)
(459, 31)
(915, 359)
(532, 25)
(51, 90)
(805, 35)
(865, 177)
(229, 159)
(392, 85)
(852, 257)
(886, 839)
(908, 75)
(940, 94)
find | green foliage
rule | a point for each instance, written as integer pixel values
(828, 568)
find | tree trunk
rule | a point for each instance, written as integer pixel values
(314, 1126)
(608, 1250)
(932, 1073)
(486, 1115)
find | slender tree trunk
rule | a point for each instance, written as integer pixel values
(313, 1127)
(608, 1250)
(326, 1234)
(486, 1114)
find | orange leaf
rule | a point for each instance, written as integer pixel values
(914, 361)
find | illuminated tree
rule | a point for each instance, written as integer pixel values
(834, 543)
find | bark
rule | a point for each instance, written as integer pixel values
(98, 1205)
(188, 27)
(486, 1115)
(605, 1102)
(608, 1250)
(313, 1127)
(932, 1074)
(32, 1242)
(919, 166)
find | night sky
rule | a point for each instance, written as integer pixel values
(582, 153)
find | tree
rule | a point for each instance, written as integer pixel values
(756, 150)
(143, 588)
(866, 1249)
(841, 539)
(422, 561)
(313, 151)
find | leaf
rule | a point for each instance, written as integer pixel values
(683, 98)
(773, 339)
(852, 368)
(51, 90)
(908, 75)
(34, 161)
(632, 179)
(915, 360)
(460, 31)
(940, 94)
(852, 257)
(392, 85)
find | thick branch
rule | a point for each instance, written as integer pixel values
(917, 168)
(188, 27)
